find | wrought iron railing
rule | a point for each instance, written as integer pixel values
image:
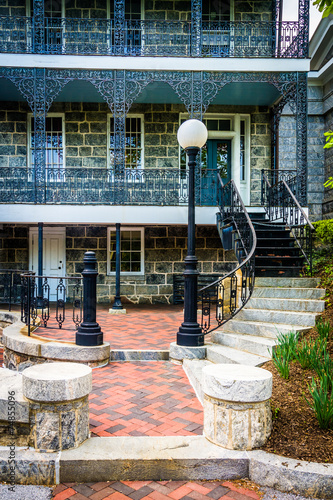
(10, 286)
(38, 293)
(223, 299)
(281, 204)
(155, 38)
(102, 186)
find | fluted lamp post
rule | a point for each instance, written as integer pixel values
(192, 136)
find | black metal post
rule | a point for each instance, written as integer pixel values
(89, 332)
(117, 300)
(40, 260)
(190, 333)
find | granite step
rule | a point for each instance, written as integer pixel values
(289, 293)
(273, 316)
(223, 354)
(286, 304)
(287, 282)
(259, 328)
(262, 346)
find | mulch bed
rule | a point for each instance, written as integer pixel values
(296, 432)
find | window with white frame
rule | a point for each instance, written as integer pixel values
(134, 142)
(131, 251)
(54, 144)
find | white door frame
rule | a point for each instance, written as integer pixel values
(48, 230)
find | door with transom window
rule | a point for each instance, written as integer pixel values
(215, 158)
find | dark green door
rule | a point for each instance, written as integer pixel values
(216, 158)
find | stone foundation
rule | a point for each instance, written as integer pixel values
(237, 413)
(58, 402)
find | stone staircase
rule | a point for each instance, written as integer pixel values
(278, 305)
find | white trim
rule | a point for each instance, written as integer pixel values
(234, 136)
(102, 214)
(108, 131)
(49, 115)
(62, 61)
(142, 252)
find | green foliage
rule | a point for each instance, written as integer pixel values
(323, 329)
(304, 354)
(324, 231)
(322, 402)
(288, 341)
(324, 6)
(285, 352)
(329, 137)
(280, 358)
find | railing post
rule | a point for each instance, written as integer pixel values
(38, 24)
(40, 260)
(196, 30)
(89, 332)
(117, 300)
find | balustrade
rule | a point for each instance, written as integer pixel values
(154, 38)
(102, 186)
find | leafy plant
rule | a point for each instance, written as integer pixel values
(289, 342)
(324, 232)
(324, 368)
(304, 354)
(324, 6)
(281, 359)
(323, 328)
(322, 402)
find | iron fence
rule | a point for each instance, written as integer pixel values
(104, 186)
(38, 293)
(154, 38)
(10, 286)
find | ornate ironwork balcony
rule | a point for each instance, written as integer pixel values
(102, 186)
(155, 38)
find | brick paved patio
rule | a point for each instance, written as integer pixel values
(143, 327)
(162, 490)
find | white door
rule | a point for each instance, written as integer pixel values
(53, 255)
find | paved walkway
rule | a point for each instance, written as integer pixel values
(152, 398)
(152, 490)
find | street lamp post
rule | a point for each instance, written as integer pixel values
(192, 135)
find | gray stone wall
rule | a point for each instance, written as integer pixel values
(12, 8)
(165, 250)
(254, 10)
(288, 152)
(86, 9)
(14, 247)
(260, 150)
(170, 10)
(13, 134)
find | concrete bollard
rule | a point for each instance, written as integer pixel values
(237, 413)
(58, 403)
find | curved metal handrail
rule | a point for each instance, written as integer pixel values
(281, 203)
(226, 294)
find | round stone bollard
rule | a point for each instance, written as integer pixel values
(58, 401)
(237, 413)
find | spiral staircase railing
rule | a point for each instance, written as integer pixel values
(224, 298)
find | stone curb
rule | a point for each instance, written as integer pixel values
(168, 458)
(135, 355)
(50, 350)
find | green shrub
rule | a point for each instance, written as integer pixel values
(281, 359)
(323, 328)
(289, 342)
(324, 231)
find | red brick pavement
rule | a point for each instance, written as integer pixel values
(162, 490)
(143, 327)
(152, 398)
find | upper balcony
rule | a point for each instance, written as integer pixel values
(137, 37)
